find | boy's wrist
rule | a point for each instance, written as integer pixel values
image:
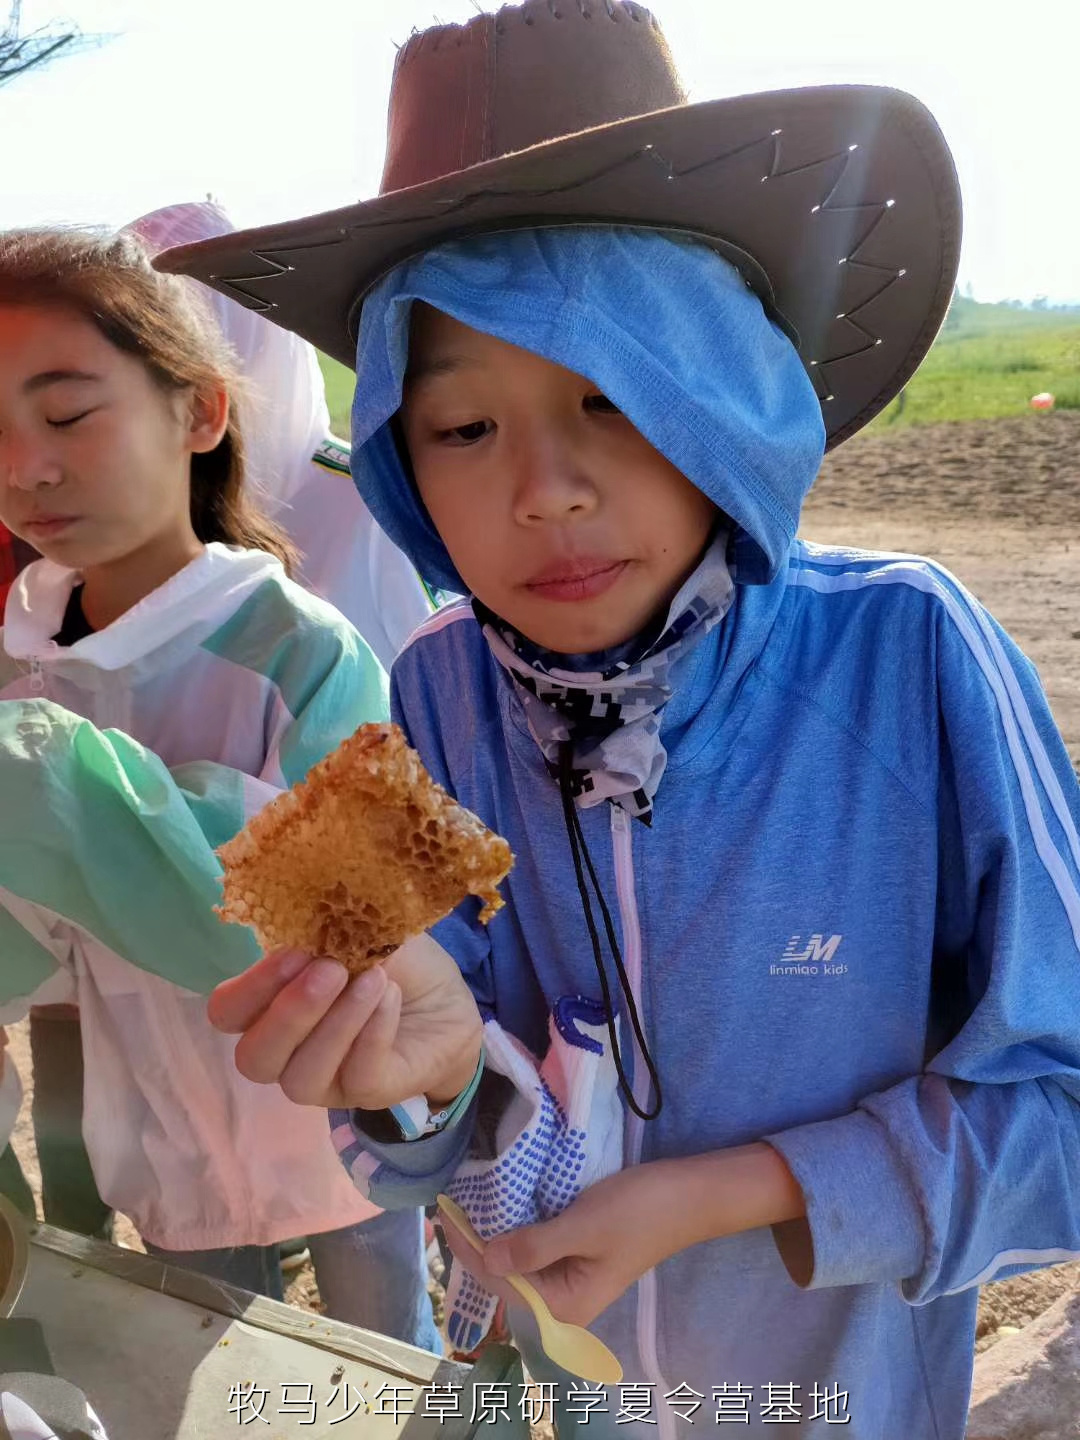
(418, 1117)
(450, 1088)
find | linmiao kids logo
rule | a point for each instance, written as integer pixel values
(816, 957)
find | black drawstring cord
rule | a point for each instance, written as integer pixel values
(578, 848)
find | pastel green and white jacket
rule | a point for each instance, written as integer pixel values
(125, 759)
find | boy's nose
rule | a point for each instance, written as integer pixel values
(552, 484)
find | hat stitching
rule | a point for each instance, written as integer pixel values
(819, 366)
(879, 209)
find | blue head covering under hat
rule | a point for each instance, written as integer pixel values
(664, 326)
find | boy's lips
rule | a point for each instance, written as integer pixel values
(580, 579)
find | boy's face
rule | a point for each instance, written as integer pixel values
(559, 516)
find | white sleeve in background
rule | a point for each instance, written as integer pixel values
(350, 561)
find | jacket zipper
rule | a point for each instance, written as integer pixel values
(622, 840)
(37, 677)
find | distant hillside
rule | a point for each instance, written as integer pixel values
(972, 317)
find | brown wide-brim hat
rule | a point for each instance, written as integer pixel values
(839, 204)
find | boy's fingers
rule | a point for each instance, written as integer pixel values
(367, 1074)
(311, 1076)
(525, 1251)
(267, 1046)
(237, 1003)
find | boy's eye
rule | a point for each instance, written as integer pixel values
(468, 434)
(601, 404)
(70, 420)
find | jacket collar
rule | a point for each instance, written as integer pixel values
(195, 601)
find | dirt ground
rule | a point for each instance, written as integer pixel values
(998, 503)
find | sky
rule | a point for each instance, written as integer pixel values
(279, 110)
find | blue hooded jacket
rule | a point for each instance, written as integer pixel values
(853, 927)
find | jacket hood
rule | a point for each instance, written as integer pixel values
(194, 601)
(665, 327)
(284, 416)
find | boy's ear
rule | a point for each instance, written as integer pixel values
(209, 419)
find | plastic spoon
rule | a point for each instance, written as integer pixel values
(571, 1347)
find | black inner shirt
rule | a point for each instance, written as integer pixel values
(75, 626)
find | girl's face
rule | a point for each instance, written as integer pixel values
(559, 516)
(95, 457)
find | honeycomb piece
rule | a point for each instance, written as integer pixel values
(365, 852)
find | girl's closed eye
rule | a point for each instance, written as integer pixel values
(70, 420)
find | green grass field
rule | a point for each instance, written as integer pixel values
(339, 390)
(987, 362)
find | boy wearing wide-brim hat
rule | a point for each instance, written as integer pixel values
(794, 921)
